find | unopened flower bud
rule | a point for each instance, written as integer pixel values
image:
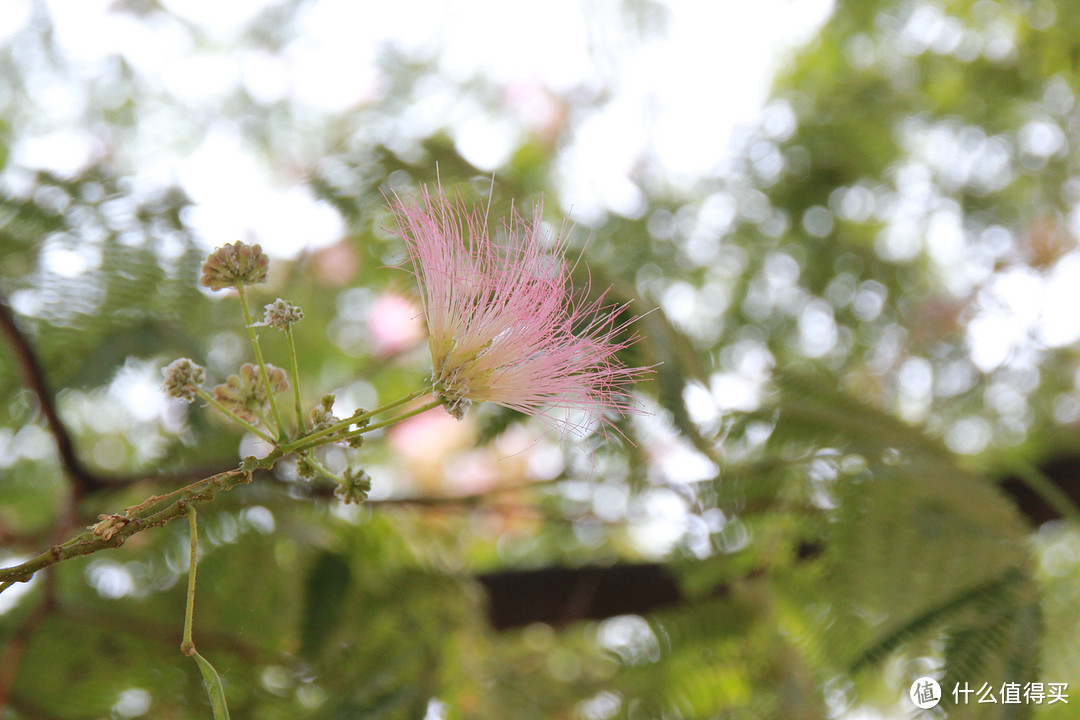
(354, 487)
(322, 416)
(244, 394)
(305, 469)
(282, 315)
(279, 381)
(235, 264)
(182, 378)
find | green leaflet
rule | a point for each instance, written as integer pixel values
(214, 689)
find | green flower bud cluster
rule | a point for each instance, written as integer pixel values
(245, 394)
(354, 486)
(235, 264)
(282, 314)
(182, 378)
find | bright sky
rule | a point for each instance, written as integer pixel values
(678, 94)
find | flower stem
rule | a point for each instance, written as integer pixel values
(187, 647)
(325, 471)
(296, 381)
(302, 442)
(254, 336)
(385, 423)
(233, 416)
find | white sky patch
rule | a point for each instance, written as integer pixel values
(68, 259)
(817, 329)
(1011, 309)
(700, 404)
(506, 40)
(727, 54)
(199, 79)
(331, 64)
(132, 702)
(732, 391)
(671, 456)
(1060, 318)
(486, 142)
(110, 579)
(992, 338)
(224, 20)
(677, 93)
(16, 14)
(234, 198)
(138, 388)
(658, 522)
(66, 152)
(1021, 307)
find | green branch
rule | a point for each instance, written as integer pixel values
(306, 441)
(123, 527)
(386, 423)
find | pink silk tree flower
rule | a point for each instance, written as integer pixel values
(504, 325)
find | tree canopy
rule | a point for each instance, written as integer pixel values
(858, 461)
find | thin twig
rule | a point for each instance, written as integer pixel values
(305, 441)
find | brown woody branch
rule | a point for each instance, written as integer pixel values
(33, 374)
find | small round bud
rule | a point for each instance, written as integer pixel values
(235, 264)
(353, 487)
(182, 378)
(322, 416)
(244, 394)
(305, 469)
(282, 315)
(279, 381)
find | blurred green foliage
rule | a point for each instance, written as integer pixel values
(818, 352)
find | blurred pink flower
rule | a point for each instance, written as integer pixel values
(505, 326)
(395, 323)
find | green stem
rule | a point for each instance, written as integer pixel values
(187, 646)
(254, 337)
(303, 441)
(262, 417)
(323, 469)
(377, 426)
(295, 381)
(233, 416)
